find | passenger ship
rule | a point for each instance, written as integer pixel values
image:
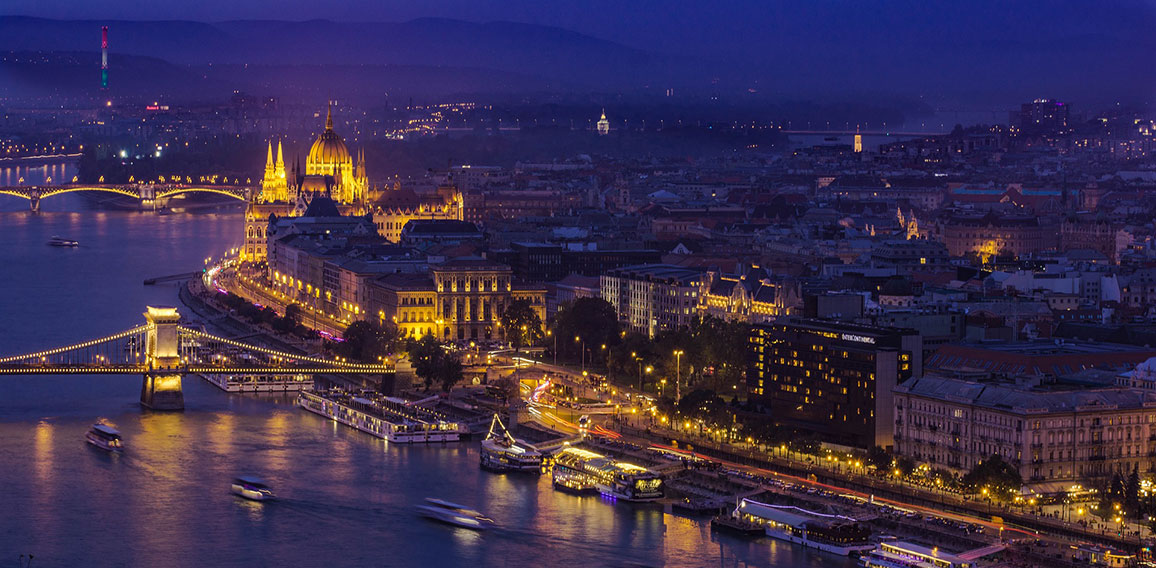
(829, 533)
(501, 452)
(380, 417)
(578, 469)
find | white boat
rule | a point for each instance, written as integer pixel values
(57, 241)
(454, 514)
(105, 438)
(834, 534)
(251, 488)
(896, 554)
(501, 452)
(381, 418)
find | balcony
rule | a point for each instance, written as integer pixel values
(1037, 446)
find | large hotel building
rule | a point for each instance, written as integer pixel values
(830, 378)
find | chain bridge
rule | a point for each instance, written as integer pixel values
(149, 194)
(163, 351)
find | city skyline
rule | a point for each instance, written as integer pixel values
(783, 284)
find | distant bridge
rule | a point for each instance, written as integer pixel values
(148, 194)
(163, 351)
(863, 132)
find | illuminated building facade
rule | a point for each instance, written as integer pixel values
(1053, 436)
(603, 124)
(461, 299)
(396, 207)
(831, 379)
(329, 171)
(650, 298)
(751, 298)
(992, 234)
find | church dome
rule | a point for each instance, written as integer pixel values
(329, 148)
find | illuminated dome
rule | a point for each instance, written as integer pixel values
(329, 149)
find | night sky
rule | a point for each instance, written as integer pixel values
(1071, 49)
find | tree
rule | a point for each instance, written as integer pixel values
(522, 324)
(1132, 492)
(367, 342)
(448, 371)
(995, 475)
(433, 363)
(592, 320)
(293, 313)
(879, 458)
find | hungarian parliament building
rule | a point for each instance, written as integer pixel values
(330, 171)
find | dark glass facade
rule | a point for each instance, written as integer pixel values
(831, 379)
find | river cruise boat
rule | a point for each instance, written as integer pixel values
(835, 534)
(454, 514)
(897, 554)
(381, 417)
(620, 480)
(501, 452)
(56, 241)
(259, 383)
(105, 437)
(251, 488)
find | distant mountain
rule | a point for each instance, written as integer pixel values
(529, 50)
(27, 74)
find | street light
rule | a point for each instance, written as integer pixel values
(677, 375)
(578, 339)
(549, 333)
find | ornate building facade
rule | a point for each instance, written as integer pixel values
(394, 208)
(462, 299)
(329, 170)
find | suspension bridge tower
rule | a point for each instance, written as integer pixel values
(161, 389)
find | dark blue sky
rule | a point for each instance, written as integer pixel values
(1087, 50)
(717, 26)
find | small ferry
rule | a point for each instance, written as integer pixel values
(382, 417)
(834, 534)
(454, 514)
(501, 452)
(57, 241)
(251, 488)
(578, 468)
(105, 438)
(896, 554)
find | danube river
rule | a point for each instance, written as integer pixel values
(346, 499)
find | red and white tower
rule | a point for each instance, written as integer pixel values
(104, 57)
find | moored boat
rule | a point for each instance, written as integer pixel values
(734, 525)
(835, 534)
(579, 469)
(501, 452)
(454, 514)
(382, 417)
(251, 488)
(105, 438)
(896, 554)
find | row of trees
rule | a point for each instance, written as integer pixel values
(290, 323)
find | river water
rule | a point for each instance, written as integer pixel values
(347, 499)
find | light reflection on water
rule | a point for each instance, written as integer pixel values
(345, 499)
(56, 173)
